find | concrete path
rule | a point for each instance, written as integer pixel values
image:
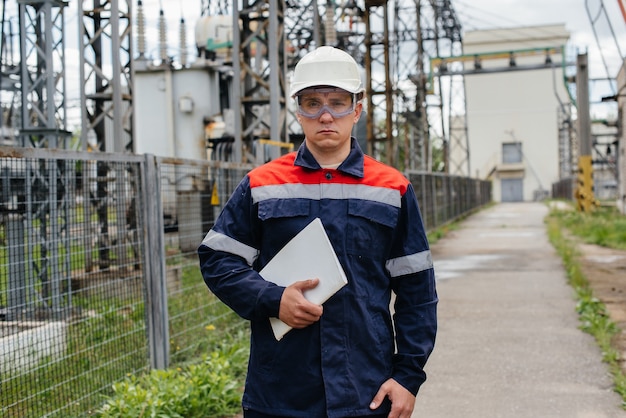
(509, 344)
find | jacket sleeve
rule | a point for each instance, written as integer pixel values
(227, 255)
(415, 308)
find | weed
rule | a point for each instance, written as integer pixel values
(211, 388)
(602, 227)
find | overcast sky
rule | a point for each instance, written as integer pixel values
(604, 40)
(575, 14)
(485, 14)
(473, 15)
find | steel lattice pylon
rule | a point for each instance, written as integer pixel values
(405, 113)
(105, 72)
(106, 102)
(259, 61)
(378, 85)
(410, 91)
(445, 105)
(392, 40)
(40, 186)
(273, 35)
(42, 55)
(215, 7)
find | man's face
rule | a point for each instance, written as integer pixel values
(327, 116)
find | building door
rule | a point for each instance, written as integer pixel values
(512, 190)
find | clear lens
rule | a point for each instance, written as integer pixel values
(320, 111)
(313, 103)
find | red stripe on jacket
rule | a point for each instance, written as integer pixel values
(283, 171)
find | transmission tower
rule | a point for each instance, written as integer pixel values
(383, 38)
(42, 69)
(410, 87)
(106, 103)
(446, 103)
(106, 74)
(34, 189)
(259, 61)
(378, 89)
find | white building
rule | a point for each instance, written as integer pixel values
(512, 108)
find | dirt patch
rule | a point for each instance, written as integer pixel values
(605, 269)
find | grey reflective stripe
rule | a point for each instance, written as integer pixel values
(413, 263)
(327, 191)
(220, 242)
(286, 191)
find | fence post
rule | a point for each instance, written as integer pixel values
(423, 202)
(154, 265)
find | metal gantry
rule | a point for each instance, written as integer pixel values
(42, 74)
(392, 40)
(106, 74)
(445, 107)
(259, 62)
(411, 84)
(34, 198)
(303, 32)
(378, 85)
(106, 103)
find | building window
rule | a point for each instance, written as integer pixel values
(512, 152)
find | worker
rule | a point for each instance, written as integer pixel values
(348, 357)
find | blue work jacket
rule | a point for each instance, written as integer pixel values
(334, 367)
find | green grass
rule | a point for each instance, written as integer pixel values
(92, 360)
(209, 348)
(209, 388)
(109, 342)
(77, 248)
(603, 227)
(198, 320)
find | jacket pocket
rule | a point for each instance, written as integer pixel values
(283, 208)
(370, 228)
(280, 220)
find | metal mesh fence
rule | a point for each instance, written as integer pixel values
(99, 275)
(71, 285)
(193, 195)
(564, 188)
(444, 198)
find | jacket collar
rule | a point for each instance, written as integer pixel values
(353, 164)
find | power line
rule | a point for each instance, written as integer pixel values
(540, 30)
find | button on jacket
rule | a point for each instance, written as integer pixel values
(334, 367)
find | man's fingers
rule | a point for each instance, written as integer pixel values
(379, 398)
(402, 401)
(295, 310)
(306, 313)
(307, 284)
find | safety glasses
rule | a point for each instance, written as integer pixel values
(314, 102)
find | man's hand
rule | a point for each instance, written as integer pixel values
(295, 310)
(402, 401)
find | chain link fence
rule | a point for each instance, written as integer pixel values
(99, 276)
(444, 198)
(71, 279)
(564, 188)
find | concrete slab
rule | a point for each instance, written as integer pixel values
(509, 344)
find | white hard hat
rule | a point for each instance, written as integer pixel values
(327, 66)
